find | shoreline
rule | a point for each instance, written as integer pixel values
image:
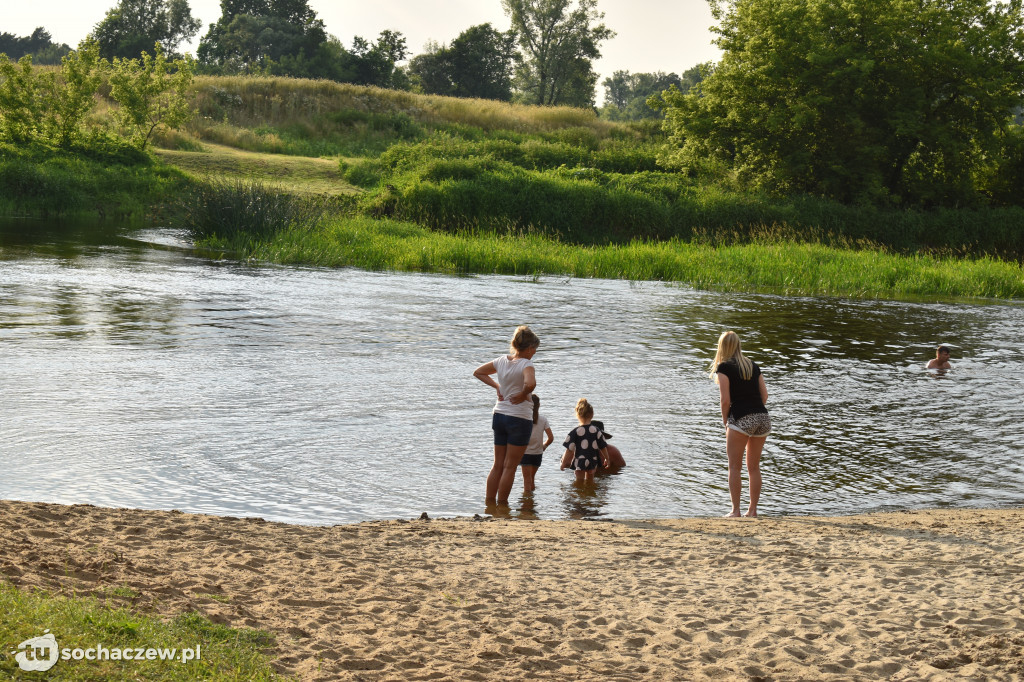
(906, 595)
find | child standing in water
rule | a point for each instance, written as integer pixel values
(584, 446)
(535, 450)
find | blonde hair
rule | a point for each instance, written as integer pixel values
(523, 338)
(584, 410)
(729, 351)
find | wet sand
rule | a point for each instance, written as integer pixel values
(926, 595)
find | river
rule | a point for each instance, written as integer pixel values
(136, 372)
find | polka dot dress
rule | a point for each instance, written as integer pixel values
(585, 442)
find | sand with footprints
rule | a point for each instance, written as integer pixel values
(924, 595)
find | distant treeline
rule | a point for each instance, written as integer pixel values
(39, 46)
(545, 58)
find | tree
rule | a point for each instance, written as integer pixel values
(432, 70)
(559, 46)
(49, 105)
(252, 33)
(478, 63)
(70, 95)
(375, 63)
(20, 104)
(865, 100)
(150, 92)
(135, 25)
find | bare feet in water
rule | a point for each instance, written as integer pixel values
(732, 515)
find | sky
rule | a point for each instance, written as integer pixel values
(652, 35)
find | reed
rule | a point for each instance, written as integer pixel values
(771, 262)
(243, 209)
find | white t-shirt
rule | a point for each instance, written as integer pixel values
(536, 445)
(510, 383)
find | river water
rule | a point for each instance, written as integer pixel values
(138, 373)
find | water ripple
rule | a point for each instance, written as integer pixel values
(138, 374)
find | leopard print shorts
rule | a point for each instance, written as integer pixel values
(755, 425)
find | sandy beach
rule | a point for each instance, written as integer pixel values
(925, 595)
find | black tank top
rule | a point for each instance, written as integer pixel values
(744, 394)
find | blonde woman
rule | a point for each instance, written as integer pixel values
(512, 419)
(743, 395)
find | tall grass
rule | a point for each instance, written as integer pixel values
(772, 261)
(245, 209)
(251, 101)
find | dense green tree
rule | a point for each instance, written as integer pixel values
(151, 91)
(252, 33)
(49, 105)
(39, 46)
(133, 26)
(560, 43)
(480, 62)
(431, 70)
(376, 63)
(860, 100)
(69, 94)
(21, 105)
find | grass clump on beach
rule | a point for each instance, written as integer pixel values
(774, 261)
(85, 622)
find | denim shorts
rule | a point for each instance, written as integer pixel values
(511, 430)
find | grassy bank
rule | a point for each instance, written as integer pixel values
(590, 193)
(101, 179)
(437, 183)
(83, 623)
(769, 262)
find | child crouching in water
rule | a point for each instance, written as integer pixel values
(585, 447)
(535, 449)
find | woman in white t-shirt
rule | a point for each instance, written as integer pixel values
(512, 420)
(535, 450)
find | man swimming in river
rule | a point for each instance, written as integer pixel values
(941, 360)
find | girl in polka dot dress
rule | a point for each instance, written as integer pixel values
(584, 446)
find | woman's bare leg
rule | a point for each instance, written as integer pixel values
(735, 443)
(754, 447)
(494, 477)
(513, 454)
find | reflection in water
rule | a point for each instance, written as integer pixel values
(137, 373)
(584, 500)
